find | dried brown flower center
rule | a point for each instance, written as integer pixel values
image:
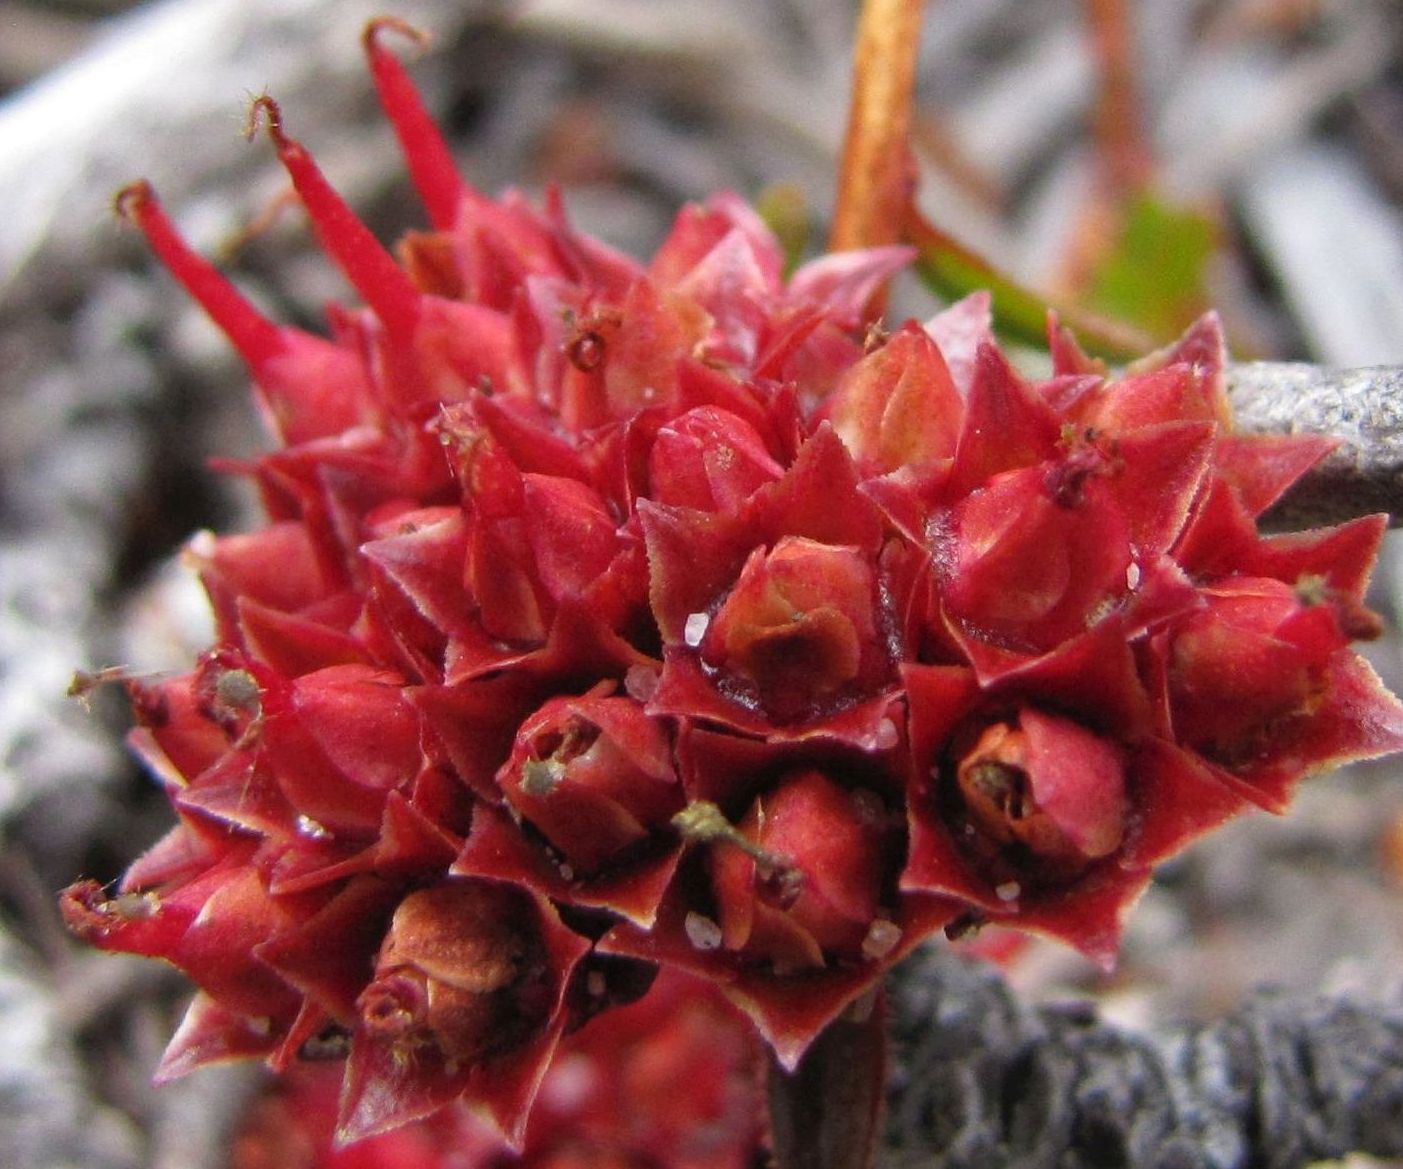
(998, 788)
(451, 972)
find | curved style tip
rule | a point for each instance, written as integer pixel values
(131, 200)
(370, 37)
(265, 112)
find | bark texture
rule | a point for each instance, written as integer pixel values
(981, 1079)
(1362, 407)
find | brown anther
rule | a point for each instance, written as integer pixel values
(964, 926)
(876, 336)
(1066, 481)
(588, 338)
(994, 783)
(779, 886)
(127, 203)
(264, 111)
(586, 351)
(83, 906)
(370, 37)
(89, 913)
(1003, 786)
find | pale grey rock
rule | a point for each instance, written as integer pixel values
(48, 1120)
(1335, 243)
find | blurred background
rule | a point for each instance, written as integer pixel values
(1141, 159)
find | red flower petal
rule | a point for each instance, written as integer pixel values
(898, 408)
(1007, 425)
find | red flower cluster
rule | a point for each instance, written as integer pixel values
(611, 616)
(671, 1081)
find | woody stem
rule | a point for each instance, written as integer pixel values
(826, 1113)
(875, 173)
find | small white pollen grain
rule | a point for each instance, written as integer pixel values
(1008, 891)
(1132, 576)
(309, 828)
(882, 937)
(203, 544)
(199, 551)
(887, 738)
(695, 629)
(641, 682)
(702, 932)
(134, 906)
(566, 873)
(595, 984)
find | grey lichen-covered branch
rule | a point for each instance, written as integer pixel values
(980, 1079)
(1362, 407)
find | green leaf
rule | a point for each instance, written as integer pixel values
(786, 213)
(951, 270)
(1155, 274)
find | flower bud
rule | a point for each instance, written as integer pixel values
(800, 879)
(1253, 661)
(594, 774)
(798, 632)
(1044, 790)
(709, 459)
(456, 972)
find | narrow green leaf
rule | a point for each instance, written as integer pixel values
(1155, 274)
(951, 270)
(786, 213)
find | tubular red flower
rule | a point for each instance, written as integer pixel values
(594, 775)
(801, 881)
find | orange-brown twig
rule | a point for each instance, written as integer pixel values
(1125, 157)
(875, 175)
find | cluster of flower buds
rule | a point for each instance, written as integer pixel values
(611, 616)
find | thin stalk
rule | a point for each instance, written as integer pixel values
(875, 174)
(1118, 125)
(952, 270)
(827, 1113)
